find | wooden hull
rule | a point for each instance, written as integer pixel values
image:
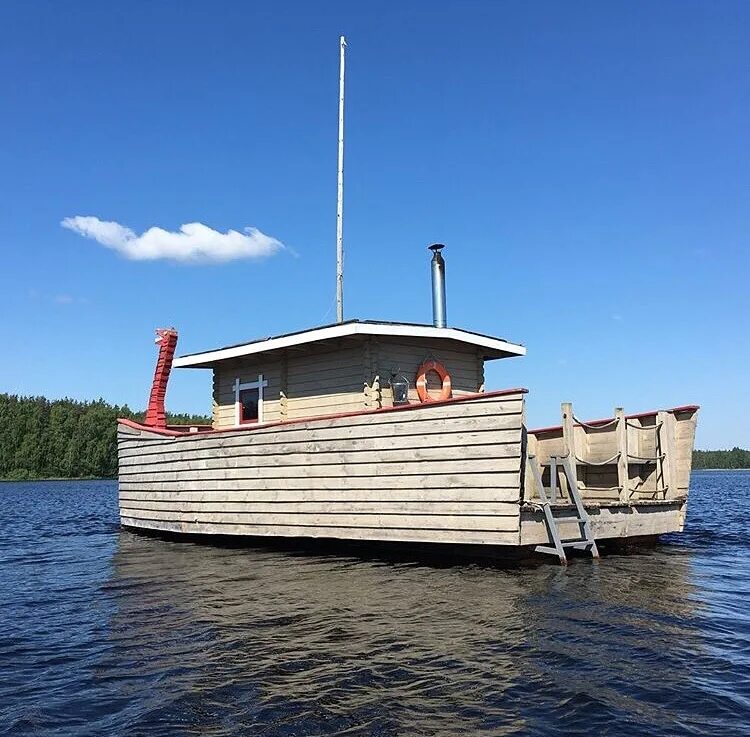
(442, 472)
(609, 522)
(445, 472)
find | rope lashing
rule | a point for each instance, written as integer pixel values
(614, 458)
(596, 426)
(648, 491)
(646, 459)
(644, 427)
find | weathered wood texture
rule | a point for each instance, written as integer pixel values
(684, 439)
(346, 376)
(608, 522)
(658, 447)
(327, 381)
(440, 473)
(246, 370)
(464, 364)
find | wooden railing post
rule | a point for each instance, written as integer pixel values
(528, 477)
(283, 387)
(666, 447)
(553, 479)
(569, 440)
(621, 430)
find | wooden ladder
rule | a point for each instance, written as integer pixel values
(585, 541)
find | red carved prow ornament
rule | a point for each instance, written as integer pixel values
(166, 339)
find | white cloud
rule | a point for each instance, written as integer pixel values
(194, 242)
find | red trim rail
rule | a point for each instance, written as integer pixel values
(638, 416)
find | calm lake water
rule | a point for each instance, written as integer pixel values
(103, 632)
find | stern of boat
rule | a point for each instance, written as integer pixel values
(627, 475)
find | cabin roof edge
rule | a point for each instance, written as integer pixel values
(495, 347)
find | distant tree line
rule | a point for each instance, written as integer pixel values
(735, 458)
(63, 438)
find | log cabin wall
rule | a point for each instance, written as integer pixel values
(246, 370)
(301, 383)
(326, 380)
(343, 376)
(392, 355)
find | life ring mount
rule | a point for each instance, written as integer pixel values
(421, 382)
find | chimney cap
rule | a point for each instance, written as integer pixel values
(436, 247)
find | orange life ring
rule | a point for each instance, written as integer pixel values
(445, 377)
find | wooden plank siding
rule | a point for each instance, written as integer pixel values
(685, 425)
(644, 438)
(246, 370)
(608, 521)
(448, 472)
(345, 376)
(464, 364)
(326, 381)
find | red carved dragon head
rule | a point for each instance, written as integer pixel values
(166, 339)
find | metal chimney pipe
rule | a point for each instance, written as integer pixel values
(439, 317)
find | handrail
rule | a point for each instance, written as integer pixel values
(644, 427)
(647, 458)
(664, 490)
(614, 458)
(594, 426)
(591, 463)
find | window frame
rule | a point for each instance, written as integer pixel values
(239, 386)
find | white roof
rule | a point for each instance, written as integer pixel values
(494, 347)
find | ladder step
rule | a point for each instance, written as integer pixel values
(578, 544)
(580, 515)
(558, 520)
(545, 549)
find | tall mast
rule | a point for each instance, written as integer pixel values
(340, 193)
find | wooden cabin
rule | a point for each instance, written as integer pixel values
(343, 368)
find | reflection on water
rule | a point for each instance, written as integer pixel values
(108, 632)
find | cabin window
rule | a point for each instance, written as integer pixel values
(248, 401)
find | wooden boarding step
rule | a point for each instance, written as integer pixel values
(557, 547)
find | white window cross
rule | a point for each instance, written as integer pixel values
(260, 384)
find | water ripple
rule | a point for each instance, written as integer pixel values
(109, 633)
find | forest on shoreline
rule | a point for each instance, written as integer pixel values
(69, 439)
(721, 459)
(63, 438)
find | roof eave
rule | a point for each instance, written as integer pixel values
(495, 347)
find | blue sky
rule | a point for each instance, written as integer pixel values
(586, 164)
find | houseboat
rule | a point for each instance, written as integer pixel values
(380, 431)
